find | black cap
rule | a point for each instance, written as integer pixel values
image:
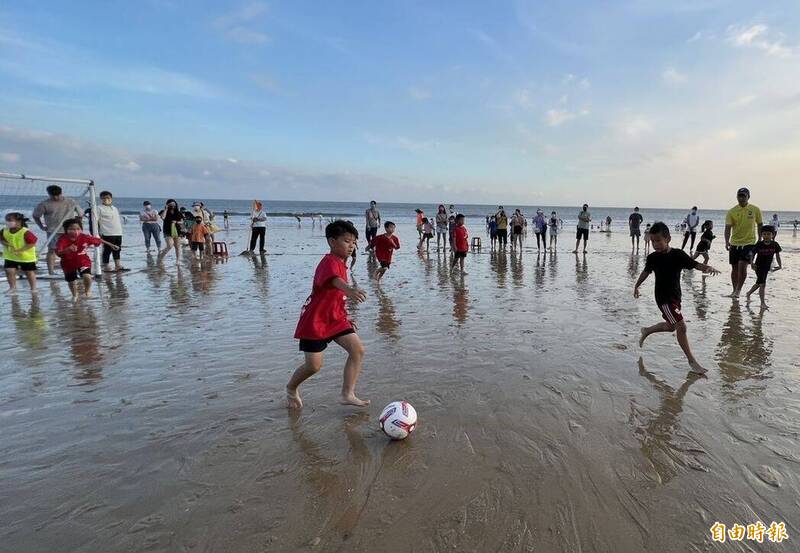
(743, 192)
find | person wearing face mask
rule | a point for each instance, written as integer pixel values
(692, 222)
(172, 218)
(150, 227)
(109, 224)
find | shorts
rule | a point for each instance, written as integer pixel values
(517, 229)
(493, 234)
(702, 246)
(635, 233)
(460, 255)
(671, 312)
(21, 265)
(761, 274)
(317, 346)
(741, 254)
(197, 247)
(72, 276)
(385, 264)
(428, 235)
(582, 233)
(441, 232)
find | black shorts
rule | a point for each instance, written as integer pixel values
(72, 276)
(317, 346)
(197, 246)
(761, 274)
(741, 254)
(385, 264)
(703, 246)
(459, 255)
(517, 229)
(582, 233)
(428, 235)
(21, 265)
(635, 233)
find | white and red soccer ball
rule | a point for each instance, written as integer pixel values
(398, 420)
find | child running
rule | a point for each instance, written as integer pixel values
(667, 263)
(324, 318)
(384, 245)
(764, 251)
(461, 241)
(19, 251)
(75, 263)
(197, 237)
(706, 238)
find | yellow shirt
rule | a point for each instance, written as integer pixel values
(743, 221)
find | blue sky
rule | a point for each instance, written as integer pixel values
(614, 103)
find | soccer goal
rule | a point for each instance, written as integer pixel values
(23, 193)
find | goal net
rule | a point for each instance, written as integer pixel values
(29, 195)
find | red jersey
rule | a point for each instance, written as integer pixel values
(461, 236)
(384, 246)
(72, 261)
(324, 313)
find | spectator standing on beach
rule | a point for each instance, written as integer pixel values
(420, 217)
(502, 227)
(172, 219)
(741, 223)
(259, 227)
(635, 222)
(540, 229)
(109, 226)
(461, 239)
(776, 223)
(373, 217)
(150, 227)
(226, 220)
(692, 221)
(55, 209)
(441, 227)
(584, 220)
(555, 225)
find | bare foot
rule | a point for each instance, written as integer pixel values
(696, 368)
(642, 337)
(351, 399)
(764, 307)
(293, 400)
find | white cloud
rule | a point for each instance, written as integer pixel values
(523, 97)
(128, 166)
(237, 25)
(9, 157)
(232, 160)
(585, 83)
(636, 127)
(556, 117)
(401, 142)
(742, 101)
(673, 77)
(419, 93)
(760, 37)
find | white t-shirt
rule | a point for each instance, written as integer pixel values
(259, 215)
(585, 223)
(693, 220)
(108, 220)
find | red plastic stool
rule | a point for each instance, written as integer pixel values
(220, 248)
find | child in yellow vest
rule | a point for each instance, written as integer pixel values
(19, 251)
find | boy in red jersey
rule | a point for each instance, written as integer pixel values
(71, 248)
(324, 318)
(384, 245)
(461, 243)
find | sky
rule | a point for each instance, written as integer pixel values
(662, 104)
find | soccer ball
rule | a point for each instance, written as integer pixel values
(398, 420)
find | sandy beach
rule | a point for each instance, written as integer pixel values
(152, 418)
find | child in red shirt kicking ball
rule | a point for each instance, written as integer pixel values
(75, 263)
(324, 318)
(384, 245)
(461, 243)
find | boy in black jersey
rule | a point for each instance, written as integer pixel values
(667, 263)
(764, 251)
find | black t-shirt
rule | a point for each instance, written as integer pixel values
(668, 266)
(635, 220)
(764, 253)
(707, 235)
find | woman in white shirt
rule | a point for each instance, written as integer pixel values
(150, 225)
(109, 224)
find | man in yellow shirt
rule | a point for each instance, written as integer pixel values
(740, 237)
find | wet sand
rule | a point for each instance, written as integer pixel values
(152, 418)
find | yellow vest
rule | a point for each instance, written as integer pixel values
(16, 240)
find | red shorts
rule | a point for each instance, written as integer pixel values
(671, 312)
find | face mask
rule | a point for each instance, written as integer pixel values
(107, 201)
(148, 207)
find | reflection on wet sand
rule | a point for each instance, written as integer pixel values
(517, 269)
(460, 299)
(386, 322)
(498, 262)
(581, 276)
(744, 353)
(30, 325)
(633, 266)
(656, 429)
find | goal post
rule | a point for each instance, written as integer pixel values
(22, 193)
